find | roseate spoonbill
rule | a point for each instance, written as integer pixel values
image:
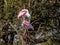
(25, 17)
(27, 25)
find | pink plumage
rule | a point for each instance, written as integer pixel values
(22, 13)
(28, 25)
(24, 10)
(25, 16)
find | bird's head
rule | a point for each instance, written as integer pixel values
(23, 13)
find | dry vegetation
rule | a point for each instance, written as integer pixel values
(45, 19)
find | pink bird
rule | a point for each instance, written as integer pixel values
(28, 25)
(23, 13)
(25, 16)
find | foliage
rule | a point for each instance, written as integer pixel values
(45, 12)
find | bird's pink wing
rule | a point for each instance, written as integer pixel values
(21, 15)
(28, 25)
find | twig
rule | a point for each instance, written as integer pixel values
(4, 24)
(23, 42)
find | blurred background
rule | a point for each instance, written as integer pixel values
(45, 17)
